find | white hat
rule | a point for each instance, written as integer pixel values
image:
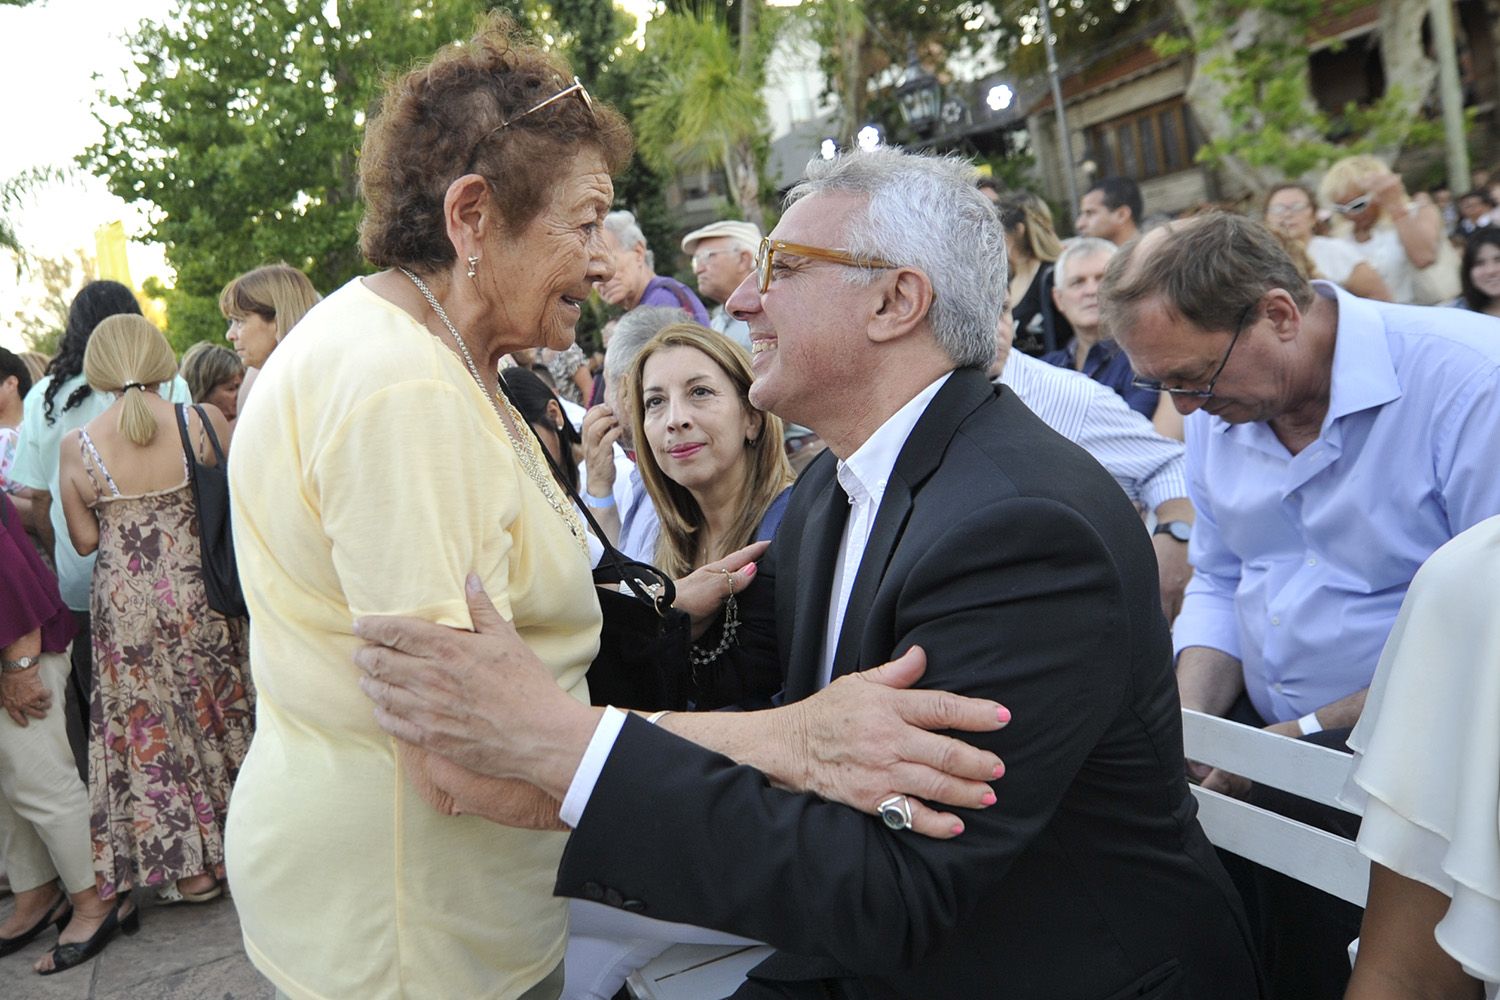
(747, 233)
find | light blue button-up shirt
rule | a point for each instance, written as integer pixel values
(1301, 561)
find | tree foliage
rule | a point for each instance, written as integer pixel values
(243, 128)
(701, 109)
(1251, 96)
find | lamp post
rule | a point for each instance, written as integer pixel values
(1064, 140)
(920, 96)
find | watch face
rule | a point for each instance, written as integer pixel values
(1180, 530)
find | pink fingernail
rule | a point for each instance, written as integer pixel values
(988, 799)
(749, 569)
(958, 828)
(1002, 713)
(1000, 769)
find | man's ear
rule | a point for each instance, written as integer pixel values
(905, 301)
(468, 214)
(1282, 311)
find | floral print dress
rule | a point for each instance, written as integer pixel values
(173, 705)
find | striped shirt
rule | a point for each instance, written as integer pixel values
(1150, 468)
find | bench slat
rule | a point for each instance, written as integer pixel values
(1304, 769)
(1305, 853)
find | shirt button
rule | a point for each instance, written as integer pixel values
(1312, 562)
(1278, 687)
(1275, 621)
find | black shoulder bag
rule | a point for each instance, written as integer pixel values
(221, 578)
(644, 642)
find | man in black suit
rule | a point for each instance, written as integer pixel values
(946, 517)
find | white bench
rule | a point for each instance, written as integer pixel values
(1305, 853)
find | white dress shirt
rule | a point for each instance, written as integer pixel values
(863, 476)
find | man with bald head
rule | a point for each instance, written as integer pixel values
(1333, 443)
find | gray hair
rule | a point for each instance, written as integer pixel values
(632, 332)
(1207, 269)
(925, 212)
(1078, 248)
(628, 232)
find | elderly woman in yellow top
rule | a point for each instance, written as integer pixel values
(377, 469)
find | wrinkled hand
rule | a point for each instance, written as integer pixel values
(864, 738)
(601, 431)
(1174, 571)
(482, 699)
(703, 591)
(23, 695)
(456, 791)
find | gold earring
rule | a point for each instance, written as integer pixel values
(473, 260)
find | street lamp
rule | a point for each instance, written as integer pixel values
(920, 96)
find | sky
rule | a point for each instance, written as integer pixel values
(50, 53)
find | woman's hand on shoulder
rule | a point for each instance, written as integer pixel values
(703, 591)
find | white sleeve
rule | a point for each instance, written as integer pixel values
(591, 766)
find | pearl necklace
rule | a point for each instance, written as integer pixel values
(523, 449)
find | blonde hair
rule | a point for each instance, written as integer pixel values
(766, 471)
(1350, 172)
(278, 293)
(125, 355)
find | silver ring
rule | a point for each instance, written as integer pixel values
(895, 812)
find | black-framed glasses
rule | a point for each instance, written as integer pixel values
(576, 87)
(1207, 392)
(769, 248)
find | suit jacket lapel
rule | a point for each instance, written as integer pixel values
(964, 392)
(813, 582)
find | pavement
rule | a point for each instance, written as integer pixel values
(183, 952)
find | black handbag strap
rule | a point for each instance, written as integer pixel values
(187, 444)
(665, 593)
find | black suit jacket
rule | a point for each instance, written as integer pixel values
(1016, 562)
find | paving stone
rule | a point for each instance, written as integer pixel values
(181, 952)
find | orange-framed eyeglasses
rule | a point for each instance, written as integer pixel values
(769, 248)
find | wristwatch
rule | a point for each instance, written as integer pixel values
(19, 664)
(1182, 531)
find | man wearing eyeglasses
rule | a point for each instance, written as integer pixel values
(1333, 444)
(723, 256)
(947, 517)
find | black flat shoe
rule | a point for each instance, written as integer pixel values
(66, 956)
(57, 913)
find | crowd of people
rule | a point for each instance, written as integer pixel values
(954, 514)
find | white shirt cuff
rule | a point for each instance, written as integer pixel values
(591, 766)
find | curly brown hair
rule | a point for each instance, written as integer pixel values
(442, 120)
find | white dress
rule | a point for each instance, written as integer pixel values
(1334, 259)
(1387, 255)
(1427, 747)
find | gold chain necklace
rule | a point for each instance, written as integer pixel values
(541, 477)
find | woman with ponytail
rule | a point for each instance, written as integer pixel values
(57, 404)
(171, 715)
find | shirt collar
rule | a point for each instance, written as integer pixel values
(865, 473)
(1364, 376)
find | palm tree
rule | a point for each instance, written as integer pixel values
(702, 109)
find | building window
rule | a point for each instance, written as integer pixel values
(1149, 143)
